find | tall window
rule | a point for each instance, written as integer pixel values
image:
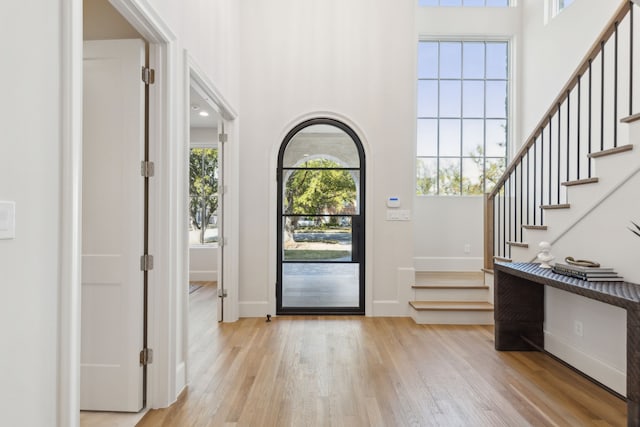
(563, 3)
(462, 116)
(466, 3)
(203, 196)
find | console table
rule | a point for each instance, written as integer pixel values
(519, 314)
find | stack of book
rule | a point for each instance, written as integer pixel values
(590, 274)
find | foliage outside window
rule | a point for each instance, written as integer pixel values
(462, 116)
(203, 193)
(466, 3)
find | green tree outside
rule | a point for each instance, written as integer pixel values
(203, 188)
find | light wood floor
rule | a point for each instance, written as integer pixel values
(357, 371)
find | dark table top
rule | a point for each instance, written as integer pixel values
(621, 294)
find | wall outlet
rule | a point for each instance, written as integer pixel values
(467, 248)
(577, 328)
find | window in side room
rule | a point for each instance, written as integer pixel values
(462, 116)
(203, 196)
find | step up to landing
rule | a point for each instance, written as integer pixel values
(451, 292)
(452, 312)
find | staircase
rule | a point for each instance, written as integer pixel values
(612, 169)
(451, 297)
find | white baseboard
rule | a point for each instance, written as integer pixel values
(448, 263)
(254, 308)
(203, 276)
(390, 309)
(597, 369)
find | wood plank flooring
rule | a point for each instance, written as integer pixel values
(357, 371)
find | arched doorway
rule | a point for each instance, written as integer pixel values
(321, 175)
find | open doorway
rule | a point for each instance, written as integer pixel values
(205, 203)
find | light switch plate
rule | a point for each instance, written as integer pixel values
(7, 220)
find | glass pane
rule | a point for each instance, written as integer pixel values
(427, 137)
(450, 98)
(497, 3)
(496, 138)
(427, 98)
(450, 59)
(450, 137)
(320, 285)
(428, 60)
(317, 238)
(449, 176)
(473, 3)
(494, 170)
(473, 137)
(426, 176)
(473, 60)
(321, 192)
(497, 60)
(496, 100)
(472, 176)
(428, 3)
(473, 99)
(321, 142)
(450, 2)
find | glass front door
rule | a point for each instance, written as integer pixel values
(321, 223)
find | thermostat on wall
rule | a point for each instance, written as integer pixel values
(393, 202)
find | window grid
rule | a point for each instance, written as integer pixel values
(454, 166)
(467, 3)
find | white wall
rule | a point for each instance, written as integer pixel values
(551, 52)
(30, 143)
(354, 60)
(444, 225)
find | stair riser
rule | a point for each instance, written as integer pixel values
(451, 295)
(446, 317)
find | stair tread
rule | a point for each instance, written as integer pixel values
(518, 244)
(580, 182)
(534, 227)
(611, 151)
(558, 206)
(631, 118)
(488, 270)
(452, 305)
(449, 286)
(502, 259)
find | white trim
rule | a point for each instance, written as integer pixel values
(197, 79)
(68, 380)
(254, 308)
(206, 87)
(390, 308)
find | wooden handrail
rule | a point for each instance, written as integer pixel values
(568, 87)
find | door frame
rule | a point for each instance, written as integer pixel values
(363, 235)
(196, 78)
(163, 57)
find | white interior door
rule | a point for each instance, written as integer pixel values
(112, 226)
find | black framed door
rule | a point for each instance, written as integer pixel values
(321, 239)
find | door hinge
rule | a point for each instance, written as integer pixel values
(148, 75)
(222, 293)
(146, 262)
(223, 137)
(146, 357)
(147, 169)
